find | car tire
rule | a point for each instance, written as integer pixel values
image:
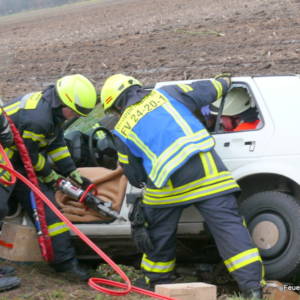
(273, 219)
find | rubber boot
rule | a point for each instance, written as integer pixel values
(72, 268)
(141, 283)
(253, 294)
(8, 283)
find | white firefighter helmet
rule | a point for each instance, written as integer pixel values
(237, 101)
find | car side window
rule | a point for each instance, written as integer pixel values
(236, 112)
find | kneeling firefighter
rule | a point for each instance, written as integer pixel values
(163, 145)
(7, 279)
(39, 117)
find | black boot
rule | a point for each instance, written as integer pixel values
(8, 283)
(72, 268)
(141, 283)
(7, 270)
(254, 294)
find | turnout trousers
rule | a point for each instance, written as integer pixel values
(59, 232)
(225, 224)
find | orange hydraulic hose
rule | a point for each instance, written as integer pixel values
(93, 282)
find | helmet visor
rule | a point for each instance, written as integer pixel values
(82, 110)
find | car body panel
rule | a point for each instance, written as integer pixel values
(249, 152)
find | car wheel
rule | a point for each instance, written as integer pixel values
(273, 219)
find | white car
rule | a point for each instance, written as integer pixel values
(266, 163)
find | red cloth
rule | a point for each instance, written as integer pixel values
(247, 126)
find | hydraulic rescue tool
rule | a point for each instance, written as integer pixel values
(88, 198)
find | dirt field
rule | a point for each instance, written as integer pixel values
(153, 40)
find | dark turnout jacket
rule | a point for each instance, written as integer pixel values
(39, 119)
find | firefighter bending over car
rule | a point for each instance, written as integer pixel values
(39, 117)
(162, 144)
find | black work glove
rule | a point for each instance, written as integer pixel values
(141, 238)
(82, 181)
(139, 232)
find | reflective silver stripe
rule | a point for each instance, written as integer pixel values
(12, 108)
(189, 186)
(200, 192)
(179, 146)
(181, 122)
(232, 264)
(24, 99)
(140, 144)
(218, 86)
(242, 259)
(35, 137)
(59, 153)
(208, 163)
(158, 267)
(40, 163)
(123, 158)
(57, 228)
(183, 154)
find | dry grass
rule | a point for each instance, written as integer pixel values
(40, 282)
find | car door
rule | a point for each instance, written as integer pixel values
(239, 147)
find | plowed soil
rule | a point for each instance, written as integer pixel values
(153, 40)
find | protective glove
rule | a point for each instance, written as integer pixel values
(205, 111)
(52, 179)
(139, 232)
(82, 181)
(225, 76)
(141, 239)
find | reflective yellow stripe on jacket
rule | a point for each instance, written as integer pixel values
(12, 108)
(203, 187)
(36, 137)
(157, 267)
(40, 163)
(123, 158)
(211, 183)
(160, 171)
(185, 87)
(59, 153)
(218, 86)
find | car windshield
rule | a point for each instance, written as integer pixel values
(84, 124)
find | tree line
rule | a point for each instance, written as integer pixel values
(14, 6)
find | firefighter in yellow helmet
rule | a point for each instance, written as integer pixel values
(39, 117)
(163, 146)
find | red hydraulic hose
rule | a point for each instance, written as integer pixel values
(93, 282)
(43, 235)
(8, 163)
